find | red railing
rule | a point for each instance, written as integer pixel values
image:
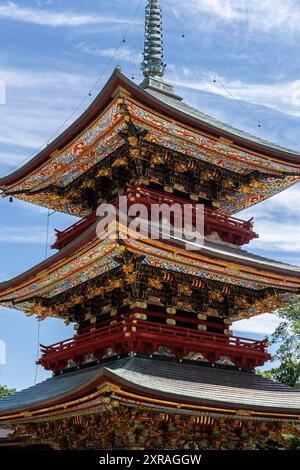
(150, 196)
(229, 229)
(71, 233)
(139, 336)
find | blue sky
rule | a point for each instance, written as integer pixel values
(51, 54)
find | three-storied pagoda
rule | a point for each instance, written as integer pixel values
(153, 363)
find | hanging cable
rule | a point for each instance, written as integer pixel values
(232, 96)
(47, 234)
(39, 323)
(37, 351)
(216, 80)
(137, 66)
(111, 58)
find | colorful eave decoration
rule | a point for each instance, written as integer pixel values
(99, 132)
(142, 384)
(88, 257)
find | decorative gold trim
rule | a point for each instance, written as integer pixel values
(209, 136)
(69, 144)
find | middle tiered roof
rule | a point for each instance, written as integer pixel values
(96, 266)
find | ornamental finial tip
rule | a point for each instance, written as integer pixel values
(153, 63)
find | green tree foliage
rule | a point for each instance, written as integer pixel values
(5, 391)
(290, 443)
(287, 335)
(288, 332)
(288, 372)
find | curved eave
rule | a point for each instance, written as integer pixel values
(84, 239)
(215, 252)
(162, 383)
(116, 80)
(68, 391)
(97, 106)
(220, 390)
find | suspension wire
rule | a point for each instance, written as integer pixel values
(47, 234)
(37, 351)
(137, 66)
(213, 75)
(274, 131)
(216, 79)
(88, 95)
(49, 214)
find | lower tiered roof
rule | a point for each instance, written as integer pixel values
(158, 383)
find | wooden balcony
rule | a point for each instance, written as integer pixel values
(227, 228)
(136, 336)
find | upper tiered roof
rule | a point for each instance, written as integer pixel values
(96, 140)
(132, 133)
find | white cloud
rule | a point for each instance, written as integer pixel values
(277, 222)
(38, 102)
(262, 324)
(43, 17)
(2, 92)
(11, 158)
(262, 15)
(42, 3)
(16, 78)
(30, 234)
(285, 203)
(123, 54)
(278, 236)
(283, 97)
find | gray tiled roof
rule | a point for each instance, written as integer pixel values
(167, 379)
(193, 112)
(241, 254)
(208, 385)
(47, 391)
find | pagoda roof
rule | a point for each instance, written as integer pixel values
(236, 135)
(52, 390)
(88, 257)
(184, 128)
(160, 382)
